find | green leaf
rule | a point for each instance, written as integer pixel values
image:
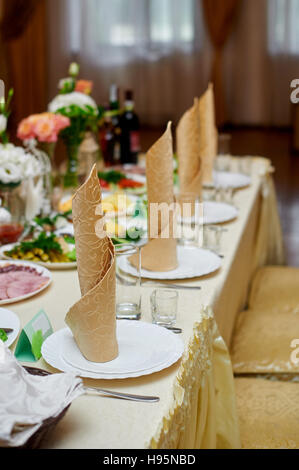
(3, 336)
(36, 344)
(44, 221)
(43, 242)
(70, 240)
(111, 176)
(72, 255)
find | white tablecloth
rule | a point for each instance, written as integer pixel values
(197, 403)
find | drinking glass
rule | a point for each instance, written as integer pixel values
(222, 162)
(128, 287)
(213, 237)
(164, 306)
(190, 219)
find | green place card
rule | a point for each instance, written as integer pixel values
(32, 336)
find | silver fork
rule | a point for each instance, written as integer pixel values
(124, 396)
(101, 391)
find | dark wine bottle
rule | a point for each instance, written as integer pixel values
(109, 144)
(129, 123)
(115, 120)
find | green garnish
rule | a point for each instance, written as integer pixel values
(111, 176)
(44, 221)
(3, 336)
(72, 255)
(69, 239)
(51, 220)
(44, 242)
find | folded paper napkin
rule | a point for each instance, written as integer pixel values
(93, 319)
(27, 400)
(188, 151)
(208, 135)
(160, 253)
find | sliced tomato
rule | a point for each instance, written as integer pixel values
(129, 183)
(104, 184)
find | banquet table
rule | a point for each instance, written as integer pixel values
(197, 401)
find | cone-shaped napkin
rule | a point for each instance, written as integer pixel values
(188, 151)
(208, 135)
(160, 252)
(93, 319)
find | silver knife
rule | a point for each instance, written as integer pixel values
(124, 396)
(170, 286)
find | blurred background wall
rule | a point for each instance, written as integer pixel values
(166, 50)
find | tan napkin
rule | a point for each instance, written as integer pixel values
(26, 401)
(188, 151)
(93, 319)
(208, 135)
(160, 253)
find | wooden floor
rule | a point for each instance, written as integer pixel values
(275, 145)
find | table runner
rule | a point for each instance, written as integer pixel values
(197, 405)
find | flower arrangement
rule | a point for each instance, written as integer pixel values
(16, 165)
(74, 102)
(44, 127)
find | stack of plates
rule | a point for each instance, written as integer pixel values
(143, 349)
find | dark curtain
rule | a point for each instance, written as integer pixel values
(23, 42)
(219, 16)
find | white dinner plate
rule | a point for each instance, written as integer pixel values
(9, 319)
(192, 262)
(218, 212)
(52, 266)
(39, 269)
(226, 179)
(215, 213)
(143, 349)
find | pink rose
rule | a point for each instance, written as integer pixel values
(45, 130)
(61, 122)
(25, 130)
(84, 86)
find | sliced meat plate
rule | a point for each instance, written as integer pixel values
(21, 279)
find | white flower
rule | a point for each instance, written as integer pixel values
(5, 216)
(17, 165)
(68, 99)
(3, 123)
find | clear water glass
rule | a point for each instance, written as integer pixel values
(213, 237)
(164, 306)
(128, 287)
(190, 219)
